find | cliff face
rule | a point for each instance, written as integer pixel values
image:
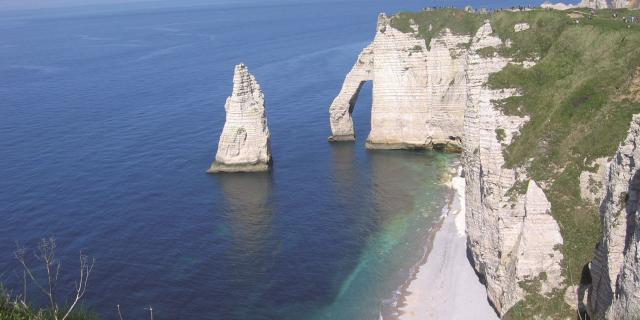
(512, 237)
(428, 97)
(615, 271)
(418, 94)
(611, 4)
(595, 4)
(245, 140)
(546, 143)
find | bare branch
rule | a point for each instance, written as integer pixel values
(46, 253)
(19, 254)
(119, 313)
(24, 286)
(81, 285)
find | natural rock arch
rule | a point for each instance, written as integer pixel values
(418, 96)
(342, 106)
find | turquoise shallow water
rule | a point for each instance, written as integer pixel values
(110, 117)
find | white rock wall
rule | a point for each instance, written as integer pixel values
(519, 27)
(615, 271)
(595, 4)
(512, 238)
(245, 140)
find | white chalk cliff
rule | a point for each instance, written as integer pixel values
(595, 4)
(245, 140)
(615, 271)
(418, 94)
(426, 96)
(512, 237)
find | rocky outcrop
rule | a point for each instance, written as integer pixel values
(615, 271)
(616, 4)
(245, 140)
(419, 93)
(512, 236)
(521, 27)
(556, 6)
(591, 182)
(595, 4)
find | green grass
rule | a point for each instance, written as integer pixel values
(552, 305)
(545, 27)
(500, 134)
(458, 21)
(13, 309)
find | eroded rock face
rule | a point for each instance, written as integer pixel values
(245, 140)
(615, 270)
(519, 27)
(418, 94)
(595, 4)
(617, 4)
(512, 236)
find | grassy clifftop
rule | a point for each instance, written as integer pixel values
(431, 23)
(580, 98)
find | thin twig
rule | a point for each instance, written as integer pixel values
(46, 254)
(81, 285)
(119, 313)
(19, 255)
(24, 286)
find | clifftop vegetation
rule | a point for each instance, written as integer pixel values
(431, 23)
(579, 100)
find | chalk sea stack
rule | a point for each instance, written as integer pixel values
(245, 142)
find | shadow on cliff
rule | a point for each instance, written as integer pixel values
(480, 276)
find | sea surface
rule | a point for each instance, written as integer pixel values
(110, 115)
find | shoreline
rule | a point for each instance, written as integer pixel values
(443, 284)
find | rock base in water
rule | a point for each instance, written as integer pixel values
(218, 167)
(343, 138)
(445, 147)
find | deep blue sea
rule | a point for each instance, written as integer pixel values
(110, 115)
